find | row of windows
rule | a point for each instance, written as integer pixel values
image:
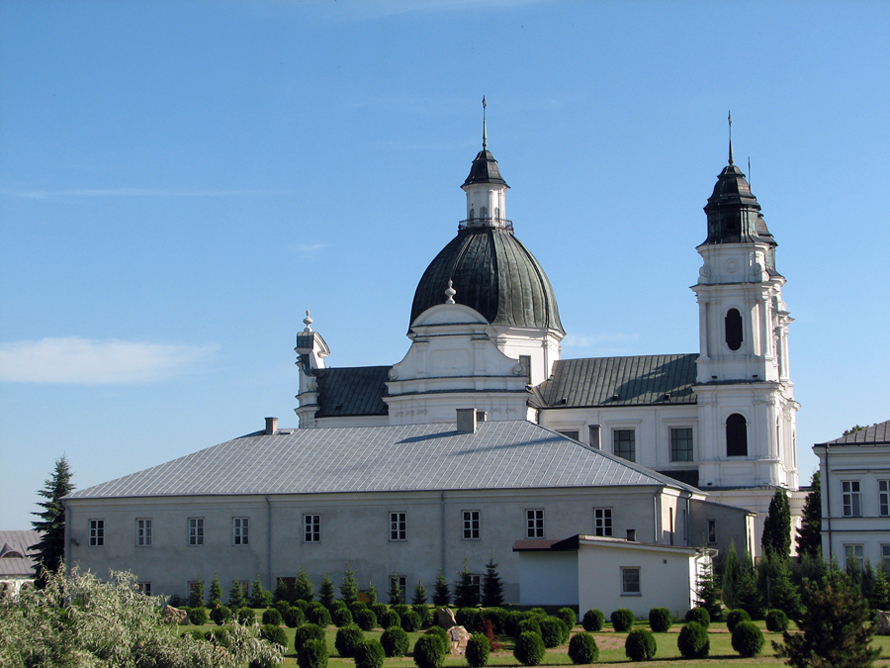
(398, 527)
(851, 498)
(855, 555)
(624, 442)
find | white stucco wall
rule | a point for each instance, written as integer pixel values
(548, 578)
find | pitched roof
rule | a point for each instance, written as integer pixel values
(619, 381)
(13, 544)
(877, 434)
(498, 455)
(352, 391)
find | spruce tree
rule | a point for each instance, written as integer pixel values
(50, 549)
(732, 572)
(441, 592)
(419, 594)
(196, 595)
(326, 592)
(809, 536)
(466, 594)
(776, 587)
(492, 587)
(395, 591)
(777, 526)
(282, 592)
(371, 594)
(349, 585)
(259, 597)
(748, 595)
(303, 589)
(216, 591)
(708, 593)
(879, 593)
(236, 596)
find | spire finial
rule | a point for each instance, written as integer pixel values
(484, 126)
(449, 293)
(730, 137)
(308, 322)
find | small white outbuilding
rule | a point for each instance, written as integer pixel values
(610, 573)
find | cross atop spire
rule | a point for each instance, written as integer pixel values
(730, 137)
(484, 126)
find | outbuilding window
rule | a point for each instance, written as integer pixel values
(602, 521)
(884, 497)
(143, 532)
(240, 530)
(97, 533)
(630, 582)
(398, 526)
(534, 520)
(624, 444)
(196, 530)
(311, 528)
(471, 524)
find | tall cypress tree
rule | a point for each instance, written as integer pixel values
(809, 536)
(776, 538)
(326, 592)
(50, 549)
(395, 591)
(216, 592)
(732, 573)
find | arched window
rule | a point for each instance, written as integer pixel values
(483, 212)
(472, 214)
(497, 213)
(736, 436)
(734, 329)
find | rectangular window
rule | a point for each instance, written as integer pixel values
(398, 526)
(311, 528)
(240, 530)
(476, 581)
(851, 498)
(144, 588)
(884, 497)
(143, 532)
(681, 444)
(602, 521)
(885, 557)
(534, 523)
(471, 524)
(854, 555)
(570, 433)
(196, 530)
(712, 531)
(97, 533)
(593, 435)
(525, 361)
(630, 582)
(624, 444)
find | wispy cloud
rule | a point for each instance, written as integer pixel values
(83, 361)
(136, 192)
(610, 339)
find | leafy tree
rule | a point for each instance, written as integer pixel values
(836, 627)
(236, 596)
(216, 592)
(492, 587)
(419, 594)
(777, 526)
(50, 549)
(441, 592)
(303, 589)
(732, 573)
(372, 594)
(395, 591)
(196, 595)
(809, 536)
(466, 594)
(259, 597)
(326, 592)
(349, 585)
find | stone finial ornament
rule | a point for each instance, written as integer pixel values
(450, 292)
(308, 322)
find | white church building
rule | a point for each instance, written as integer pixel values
(482, 435)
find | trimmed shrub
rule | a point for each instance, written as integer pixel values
(776, 621)
(429, 651)
(554, 631)
(246, 615)
(540, 612)
(221, 615)
(318, 614)
(467, 617)
(338, 603)
(531, 624)
(306, 633)
(395, 642)
(379, 610)
(197, 634)
(294, 617)
(369, 654)
(313, 653)
(272, 616)
(303, 604)
(221, 637)
(341, 617)
(400, 608)
(699, 616)
(366, 619)
(583, 649)
(282, 606)
(511, 623)
(355, 606)
(733, 617)
(529, 650)
(389, 618)
(640, 645)
(442, 636)
(622, 620)
(198, 616)
(593, 620)
(274, 633)
(693, 641)
(425, 614)
(747, 639)
(411, 621)
(660, 620)
(478, 649)
(497, 617)
(348, 638)
(568, 616)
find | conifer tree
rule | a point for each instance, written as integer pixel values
(776, 537)
(50, 549)
(395, 591)
(303, 589)
(466, 594)
(259, 597)
(196, 595)
(419, 594)
(371, 593)
(709, 593)
(326, 592)
(732, 572)
(879, 593)
(349, 585)
(282, 592)
(216, 592)
(776, 588)
(748, 594)
(441, 592)
(809, 536)
(492, 587)
(236, 595)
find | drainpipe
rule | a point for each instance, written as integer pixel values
(827, 485)
(442, 524)
(655, 517)
(270, 586)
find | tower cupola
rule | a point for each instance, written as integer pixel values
(486, 189)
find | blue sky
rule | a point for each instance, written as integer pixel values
(179, 181)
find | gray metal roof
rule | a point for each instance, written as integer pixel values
(877, 434)
(638, 380)
(498, 455)
(14, 543)
(352, 391)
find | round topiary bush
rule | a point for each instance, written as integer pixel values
(538, 611)
(442, 636)
(699, 616)
(593, 620)
(693, 641)
(568, 616)
(425, 614)
(511, 623)
(273, 633)
(282, 606)
(411, 621)
(303, 604)
(660, 620)
(246, 615)
(554, 631)
(221, 637)
(622, 620)
(272, 616)
(583, 649)
(497, 617)
(198, 616)
(313, 653)
(341, 617)
(478, 649)
(318, 614)
(400, 608)
(776, 621)
(369, 654)
(366, 619)
(529, 650)
(733, 617)
(306, 633)
(379, 609)
(348, 638)
(355, 606)
(466, 617)
(389, 618)
(531, 624)
(640, 645)
(294, 617)
(395, 642)
(338, 603)
(747, 639)
(429, 651)
(221, 615)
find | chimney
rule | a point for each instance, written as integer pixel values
(466, 420)
(271, 425)
(632, 535)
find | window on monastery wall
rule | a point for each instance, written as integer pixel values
(851, 498)
(483, 212)
(736, 436)
(681, 444)
(884, 497)
(885, 557)
(593, 435)
(733, 325)
(525, 361)
(602, 521)
(569, 433)
(143, 532)
(624, 444)
(853, 556)
(97, 533)
(398, 526)
(630, 582)
(534, 523)
(240, 530)
(476, 581)
(196, 530)
(144, 588)
(712, 531)
(471, 524)
(311, 528)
